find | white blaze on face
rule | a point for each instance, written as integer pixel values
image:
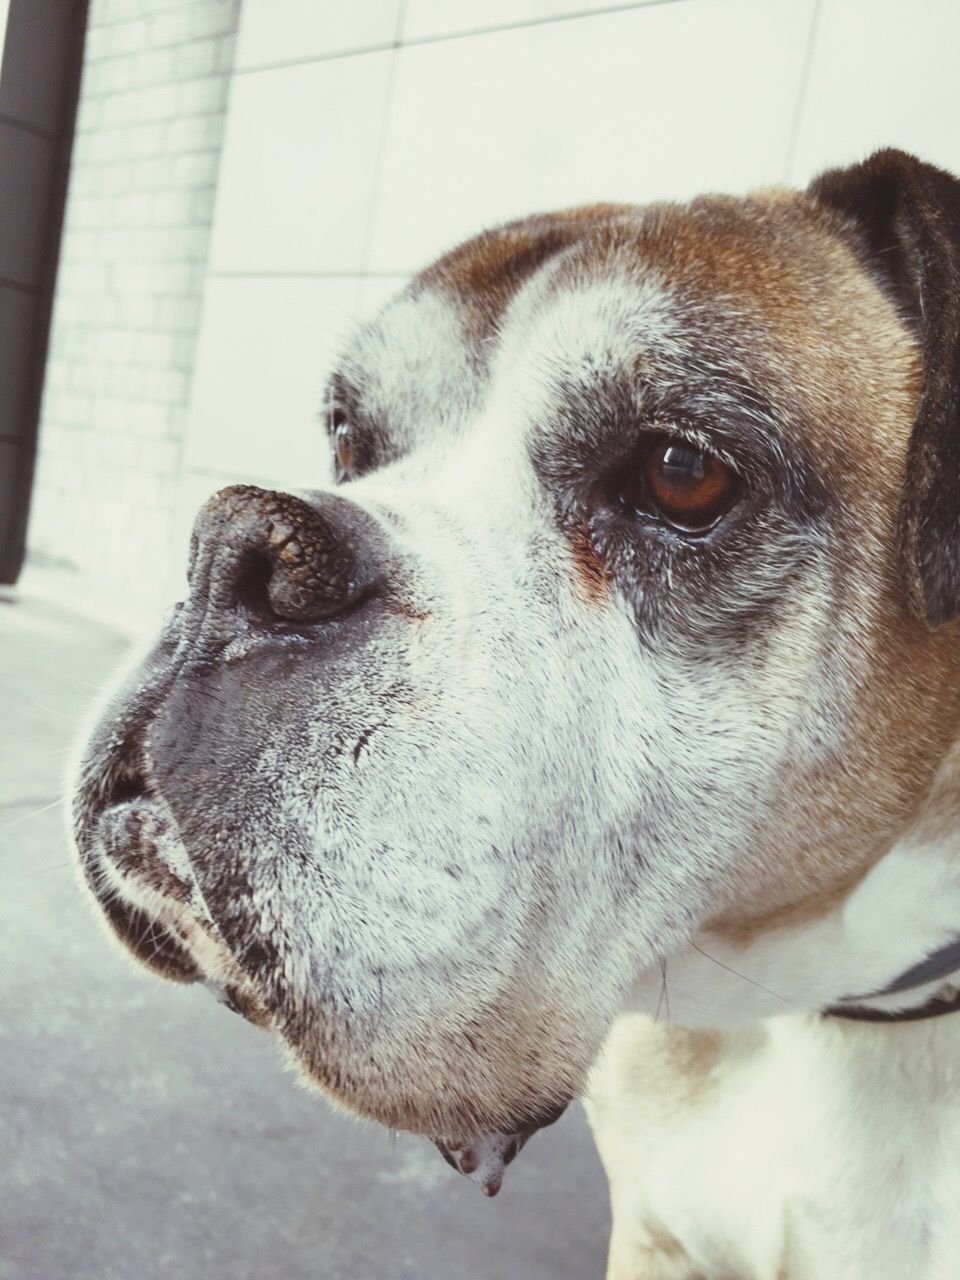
(562, 767)
(499, 789)
(578, 329)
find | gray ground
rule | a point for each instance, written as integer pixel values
(145, 1132)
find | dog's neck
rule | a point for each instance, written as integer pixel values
(866, 950)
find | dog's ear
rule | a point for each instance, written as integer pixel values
(906, 219)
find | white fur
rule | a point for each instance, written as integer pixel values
(906, 907)
(817, 1150)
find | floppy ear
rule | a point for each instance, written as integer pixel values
(906, 216)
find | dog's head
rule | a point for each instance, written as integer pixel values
(625, 617)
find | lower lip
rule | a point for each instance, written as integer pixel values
(137, 842)
(129, 830)
(134, 840)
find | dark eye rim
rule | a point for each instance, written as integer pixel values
(626, 474)
(336, 418)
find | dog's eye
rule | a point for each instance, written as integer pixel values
(684, 486)
(343, 449)
(691, 488)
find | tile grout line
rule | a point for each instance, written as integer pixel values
(793, 143)
(31, 800)
(380, 159)
(238, 274)
(185, 410)
(446, 36)
(540, 22)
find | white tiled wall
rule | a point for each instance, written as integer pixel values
(363, 138)
(344, 172)
(303, 30)
(885, 73)
(635, 105)
(299, 173)
(259, 376)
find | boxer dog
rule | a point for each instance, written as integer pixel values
(616, 685)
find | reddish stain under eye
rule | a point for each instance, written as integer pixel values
(590, 571)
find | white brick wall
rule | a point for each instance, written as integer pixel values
(152, 109)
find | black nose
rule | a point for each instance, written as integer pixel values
(276, 558)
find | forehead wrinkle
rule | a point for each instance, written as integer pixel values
(461, 298)
(486, 272)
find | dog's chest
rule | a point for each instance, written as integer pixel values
(799, 1151)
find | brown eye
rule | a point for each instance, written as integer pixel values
(342, 446)
(690, 488)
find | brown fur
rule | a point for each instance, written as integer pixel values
(858, 417)
(829, 349)
(785, 266)
(485, 273)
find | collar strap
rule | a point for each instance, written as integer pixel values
(934, 1008)
(940, 964)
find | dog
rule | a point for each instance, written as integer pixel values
(597, 731)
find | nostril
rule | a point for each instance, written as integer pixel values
(280, 561)
(252, 585)
(126, 789)
(276, 587)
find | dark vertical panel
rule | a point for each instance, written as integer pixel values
(28, 163)
(39, 86)
(19, 311)
(40, 32)
(10, 468)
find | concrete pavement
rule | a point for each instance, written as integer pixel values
(147, 1133)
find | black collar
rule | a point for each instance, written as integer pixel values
(942, 963)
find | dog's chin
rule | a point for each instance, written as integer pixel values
(466, 1115)
(144, 880)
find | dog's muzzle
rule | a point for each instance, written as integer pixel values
(236, 831)
(262, 565)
